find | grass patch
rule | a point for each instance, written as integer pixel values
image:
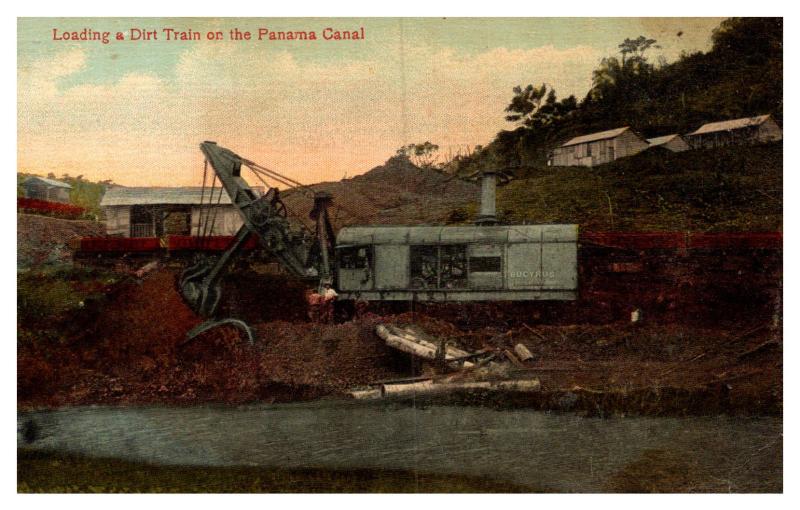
(726, 189)
(61, 473)
(48, 298)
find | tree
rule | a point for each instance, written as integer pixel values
(636, 47)
(525, 104)
(422, 155)
(530, 106)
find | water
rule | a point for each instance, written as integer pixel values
(536, 450)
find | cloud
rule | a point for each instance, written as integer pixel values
(314, 120)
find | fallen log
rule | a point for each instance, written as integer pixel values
(523, 353)
(513, 359)
(406, 342)
(366, 394)
(417, 338)
(430, 387)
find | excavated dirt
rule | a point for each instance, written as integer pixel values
(131, 351)
(45, 240)
(395, 193)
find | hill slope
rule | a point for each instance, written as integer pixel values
(395, 193)
(728, 189)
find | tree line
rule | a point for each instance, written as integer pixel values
(740, 76)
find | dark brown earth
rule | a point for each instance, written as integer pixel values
(131, 351)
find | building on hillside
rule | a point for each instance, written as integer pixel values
(156, 212)
(598, 148)
(51, 190)
(746, 131)
(675, 142)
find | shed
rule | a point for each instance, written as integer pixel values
(675, 142)
(156, 212)
(598, 148)
(51, 190)
(745, 131)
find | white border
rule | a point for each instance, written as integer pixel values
(319, 8)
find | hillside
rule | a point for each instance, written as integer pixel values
(42, 240)
(740, 76)
(395, 193)
(728, 189)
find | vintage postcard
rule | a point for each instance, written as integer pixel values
(400, 255)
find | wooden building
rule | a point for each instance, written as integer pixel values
(156, 212)
(51, 190)
(746, 131)
(674, 143)
(598, 148)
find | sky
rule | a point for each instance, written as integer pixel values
(135, 111)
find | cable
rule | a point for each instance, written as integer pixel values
(202, 194)
(216, 209)
(208, 211)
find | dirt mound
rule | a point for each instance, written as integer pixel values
(394, 193)
(132, 351)
(43, 240)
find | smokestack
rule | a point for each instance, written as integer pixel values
(488, 214)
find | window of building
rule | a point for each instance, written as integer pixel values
(142, 221)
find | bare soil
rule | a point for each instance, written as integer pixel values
(131, 350)
(45, 240)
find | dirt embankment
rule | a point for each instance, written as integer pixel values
(43, 240)
(131, 352)
(395, 193)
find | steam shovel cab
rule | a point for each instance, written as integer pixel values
(458, 263)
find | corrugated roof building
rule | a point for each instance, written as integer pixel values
(598, 148)
(675, 142)
(51, 190)
(745, 131)
(156, 212)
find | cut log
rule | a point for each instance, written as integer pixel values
(513, 359)
(396, 390)
(430, 387)
(406, 342)
(523, 353)
(366, 394)
(450, 351)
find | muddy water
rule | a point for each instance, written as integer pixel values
(540, 451)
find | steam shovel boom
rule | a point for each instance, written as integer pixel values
(264, 217)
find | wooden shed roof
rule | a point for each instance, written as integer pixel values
(195, 195)
(49, 182)
(661, 140)
(730, 125)
(602, 135)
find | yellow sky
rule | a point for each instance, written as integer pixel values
(315, 110)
